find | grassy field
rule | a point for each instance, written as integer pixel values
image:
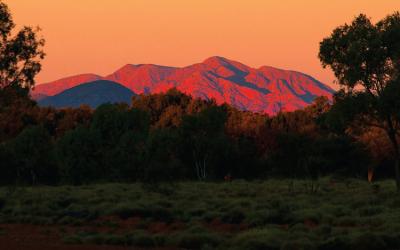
(274, 214)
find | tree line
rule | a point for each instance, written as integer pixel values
(169, 137)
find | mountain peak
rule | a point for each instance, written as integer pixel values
(225, 80)
(144, 66)
(225, 66)
(217, 61)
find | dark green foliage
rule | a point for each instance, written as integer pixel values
(208, 142)
(78, 153)
(8, 166)
(20, 53)
(205, 145)
(122, 132)
(113, 121)
(196, 237)
(236, 215)
(33, 157)
(368, 241)
(162, 162)
(365, 59)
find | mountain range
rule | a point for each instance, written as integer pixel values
(265, 89)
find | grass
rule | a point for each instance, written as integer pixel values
(350, 214)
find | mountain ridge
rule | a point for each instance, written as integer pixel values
(265, 89)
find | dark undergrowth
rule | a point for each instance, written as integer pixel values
(273, 214)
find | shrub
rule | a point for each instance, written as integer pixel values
(271, 238)
(196, 240)
(142, 239)
(260, 218)
(306, 215)
(391, 239)
(368, 241)
(234, 216)
(124, 211)
(370, 210)
(299, 244)
(335, 243)
(73, 239)
(347, 221)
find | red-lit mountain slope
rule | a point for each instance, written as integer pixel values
(265, 89)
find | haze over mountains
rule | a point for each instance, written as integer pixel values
(265, 89)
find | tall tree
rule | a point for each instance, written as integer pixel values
(205, 142)
(32, 154)
(20, 54)
(365, 58)
(78, 155)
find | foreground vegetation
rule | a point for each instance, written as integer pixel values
(275, 214)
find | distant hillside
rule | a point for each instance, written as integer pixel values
(92, 94)
(266, 89)
(56, 87)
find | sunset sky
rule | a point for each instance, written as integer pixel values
(99, 36)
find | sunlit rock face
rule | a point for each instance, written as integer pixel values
(266, 89)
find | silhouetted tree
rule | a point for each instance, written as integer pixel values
(365, 58)
(205, 141)
(71, 118)
(162, 161)
(16, 117)
(20, 54)
(167, 109)
(114, 122)
(8, 166)
(79, 156)
(32, 153)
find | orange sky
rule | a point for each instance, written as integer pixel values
(99, 36)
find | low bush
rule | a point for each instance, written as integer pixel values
(368, 241)
(268, 239)
(192, 240)
(234, 216)
(143, 239)
(299, 244)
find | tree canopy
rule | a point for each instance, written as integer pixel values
(20, 54)
(365, 58)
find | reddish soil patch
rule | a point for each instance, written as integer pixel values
(284, 226)
(310, 224)
(105, 224)
(50, 237)
(32, 237)
(219, 226)
(162, 227)
(126, 225)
